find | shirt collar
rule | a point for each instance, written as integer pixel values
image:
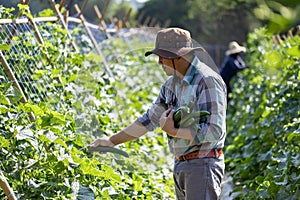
(191, 71)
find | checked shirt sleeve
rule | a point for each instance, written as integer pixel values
(150, 119)
(212, 97)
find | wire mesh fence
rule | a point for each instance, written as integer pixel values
(33, 45)
(29, 47)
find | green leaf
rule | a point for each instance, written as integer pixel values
(4, 143)
(60, 142)
(273, 59)
(292, 136)
(29, 107)
(294, 51)
(3, 109)
(4, 47)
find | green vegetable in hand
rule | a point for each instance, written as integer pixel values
(180, 113)
(182, 117)
(91, 149)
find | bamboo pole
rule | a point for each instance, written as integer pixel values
(101, 21)
(61, 5)
(60, 16)
(104, 27)
(15, 82)
(105, 8)
(83, 7)
(93, 40)
(152, 22)
(36, 32)
(126, 19)
(167, 23)
(140, 17)
(6, 188)
(66, 17)
(147, 20)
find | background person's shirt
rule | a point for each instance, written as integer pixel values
(231, 66)
(200, 89)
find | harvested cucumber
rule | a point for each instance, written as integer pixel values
(91, 149)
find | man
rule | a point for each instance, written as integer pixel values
(233, 64)
(199, 162)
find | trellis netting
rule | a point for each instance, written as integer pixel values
(30, 60)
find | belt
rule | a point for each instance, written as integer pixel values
(214, 153)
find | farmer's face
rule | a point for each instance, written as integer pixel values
(167, 65)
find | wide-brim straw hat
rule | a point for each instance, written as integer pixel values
(234, 48)
(173, 43)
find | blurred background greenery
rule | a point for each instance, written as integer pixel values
(210, 22)
(213, 24)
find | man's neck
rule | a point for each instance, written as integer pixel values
(182, 66)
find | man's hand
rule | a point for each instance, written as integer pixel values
(102, 142)
(166, 122)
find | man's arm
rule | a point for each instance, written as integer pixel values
(167, 124)
(133, 131)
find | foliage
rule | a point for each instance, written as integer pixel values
(44, 159)
(263, 121)
(211, 22)
(281, 18)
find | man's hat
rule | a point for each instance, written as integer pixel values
(234, 47)
(173, 43)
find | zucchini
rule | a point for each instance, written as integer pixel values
(179, 114)
(188, 123)
(199, 114)
(91, 149)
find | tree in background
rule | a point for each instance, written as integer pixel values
(211, 22)
(161, 11)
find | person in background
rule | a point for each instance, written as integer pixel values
(233, 64)
(198, 158)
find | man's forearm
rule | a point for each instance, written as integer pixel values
(133, 131)
(121, 137)
(184, 133)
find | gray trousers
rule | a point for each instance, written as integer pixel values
(199, 179)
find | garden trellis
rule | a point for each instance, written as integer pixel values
(28, 47)
(24, 58)
(27, 61)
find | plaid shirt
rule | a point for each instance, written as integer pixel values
(200, 89)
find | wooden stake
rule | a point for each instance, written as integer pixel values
(61, 5)
(147, 20)
(58, 13)
(140, 17)
(105, 8)
(152, 22)
(15, 82)
(83, 7)
(66, 15)
(167, 23)
(126, 18)
(101, 21)
(93, 40)
(6, 188)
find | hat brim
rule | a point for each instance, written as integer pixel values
(171, 54)
(233, 51)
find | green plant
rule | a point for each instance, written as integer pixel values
(263, 121)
